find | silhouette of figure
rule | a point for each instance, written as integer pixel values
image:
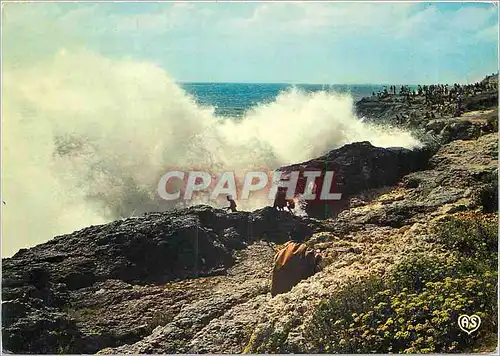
(301, 182)
(280, 199)
(290, 204)
(232, 204)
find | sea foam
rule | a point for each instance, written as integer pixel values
(86, 139)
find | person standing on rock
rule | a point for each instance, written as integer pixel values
(459, 103)
(232, 204)
(280, 199)
(290, 204)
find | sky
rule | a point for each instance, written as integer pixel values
(327, 43)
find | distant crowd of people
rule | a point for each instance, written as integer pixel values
(440, 99)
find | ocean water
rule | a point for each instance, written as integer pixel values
(86, 139)
(234, 99)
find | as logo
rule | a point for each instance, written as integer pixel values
(469, 324)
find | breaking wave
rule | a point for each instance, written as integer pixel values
(86, 140)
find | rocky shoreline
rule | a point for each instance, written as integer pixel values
(196, 280)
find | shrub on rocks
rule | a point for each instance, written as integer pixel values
(470, 235)
(415, 271)
(407, 321)
(415, 307)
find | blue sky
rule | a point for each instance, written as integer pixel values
(343, 43)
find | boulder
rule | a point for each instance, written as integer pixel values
(293, 263)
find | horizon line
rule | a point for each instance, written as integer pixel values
(346, 84)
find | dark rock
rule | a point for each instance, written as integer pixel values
(40, 284)
(487, 195)
(273, 225)
(13, 309)
(41, 331)
(359, 167)
(481, 101)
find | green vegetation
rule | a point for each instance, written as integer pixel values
(415, 271)
(415, 308)
(405, 322)
(474, 238)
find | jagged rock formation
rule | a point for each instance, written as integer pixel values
(44, 285)
(197, 280)
(359, 167)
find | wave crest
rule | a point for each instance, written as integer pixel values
(86, 140)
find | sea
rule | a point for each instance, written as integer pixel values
(234, 99)
(100, 138)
